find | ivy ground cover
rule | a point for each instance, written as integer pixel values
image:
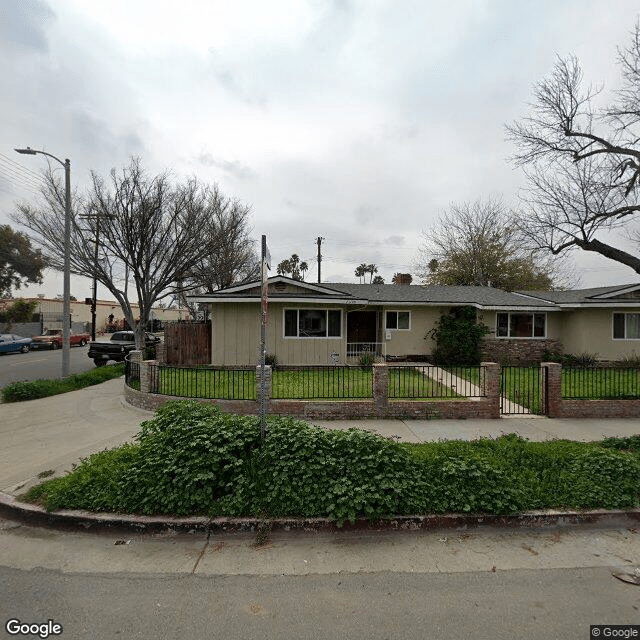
(191, 459)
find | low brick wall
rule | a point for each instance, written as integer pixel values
(598, 409)
(378, 407)
(336, 410)
(153, 401)
(561, 408)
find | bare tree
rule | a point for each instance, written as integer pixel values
(477, 244)
(231, 257)
(582, 162)
(149, 228)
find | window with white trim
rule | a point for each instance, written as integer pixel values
(521, 325)
(312, 323)
(626, 326)
(398, 320)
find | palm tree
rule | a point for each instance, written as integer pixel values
(304, 267)
(360, 272)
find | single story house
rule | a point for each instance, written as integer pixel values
(331, 323)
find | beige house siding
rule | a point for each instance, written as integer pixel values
(591, 331)
(412, 342)
(235, 336)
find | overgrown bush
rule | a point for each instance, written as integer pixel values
(271, 359)
(457, 336)
(191, 459)
(31, 390)
(366, 360)
(583, 360)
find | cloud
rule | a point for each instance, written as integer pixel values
(234, 168)
(23, 25)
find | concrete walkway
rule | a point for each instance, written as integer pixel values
(465, 387)
(51, 434)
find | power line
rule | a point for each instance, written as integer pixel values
(9, 171)
(18, 182)
(20, 167)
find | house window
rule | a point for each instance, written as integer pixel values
(521, 325)
(399, 320)
(312, 323)
(626, 326)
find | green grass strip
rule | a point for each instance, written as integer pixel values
(31, 390)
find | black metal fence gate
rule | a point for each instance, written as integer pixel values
(523, 390)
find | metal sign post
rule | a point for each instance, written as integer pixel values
(264, 320)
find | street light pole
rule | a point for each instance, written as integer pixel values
(66, 304)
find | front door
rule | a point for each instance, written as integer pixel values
(362, 326)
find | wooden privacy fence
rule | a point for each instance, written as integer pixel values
(187, 343)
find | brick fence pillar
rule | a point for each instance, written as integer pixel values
(268, 382)
(161, 352)
(148, 377)
(381, 388)
(552, 391)
(135, 356)
(491, 385)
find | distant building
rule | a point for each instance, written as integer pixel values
(108, 313)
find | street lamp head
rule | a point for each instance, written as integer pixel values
(28, 151)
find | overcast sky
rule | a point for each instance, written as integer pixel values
(355, 120)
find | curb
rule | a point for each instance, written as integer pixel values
(98, 522)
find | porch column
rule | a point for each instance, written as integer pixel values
(381, 388)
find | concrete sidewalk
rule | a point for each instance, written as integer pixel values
(51, 434)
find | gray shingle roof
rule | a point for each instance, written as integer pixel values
(579, 295)
(390, 293)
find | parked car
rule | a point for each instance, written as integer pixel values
(120, 344)
(52, 339)
(11, 342)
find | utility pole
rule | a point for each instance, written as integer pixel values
(66, 303)
(94, 295)
(319, 243)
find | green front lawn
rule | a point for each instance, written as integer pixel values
(600, 383)
(227, 384)
(338, 383)
(306, 383)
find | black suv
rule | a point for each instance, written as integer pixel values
(120, 344)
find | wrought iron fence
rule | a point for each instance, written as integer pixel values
(422, 381)
(320, 382)
(238, 383)
(522, 390)
(600, 383)
(131, 373)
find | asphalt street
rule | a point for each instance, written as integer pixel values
(476, 583)
(43, 363)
